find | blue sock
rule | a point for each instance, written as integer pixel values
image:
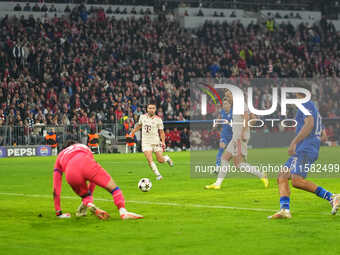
(321, 192)
(115, 189)
(284, 203)
(219, 156)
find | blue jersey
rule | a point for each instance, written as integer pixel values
(311, 144)
(227, 132)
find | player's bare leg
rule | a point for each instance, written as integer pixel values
(284, 190)
(300, 183)
(152, 164)
(283, 183)
(226, 157)
(165, 158)
(297, 182)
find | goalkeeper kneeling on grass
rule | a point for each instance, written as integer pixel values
(77, 163)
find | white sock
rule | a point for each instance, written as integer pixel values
(154, 168)
(166, 158)
(90, 205)
(223, 172)
(251, 169)
(122, 211)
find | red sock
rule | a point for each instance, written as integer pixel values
(87, 200)
(118, 198)
(92, 186)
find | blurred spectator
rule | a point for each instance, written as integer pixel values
(330, 133)
(44, 8)
(27, 7)
(17, 7)
(109, 10)
(175, 138)
(2, 133)
(337, 133)
(133, 10)
(67, 9)
(185, 141)
(167, 138)
(52, 8)
(278, 16)
(36, 8)
(297, 16)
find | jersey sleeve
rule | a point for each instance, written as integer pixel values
(310, 108)
(57, 165)
(160, 124)
(57, 180)
(140, 121)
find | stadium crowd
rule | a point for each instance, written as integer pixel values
(99, 70)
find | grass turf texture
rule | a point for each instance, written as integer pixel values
(166, 229)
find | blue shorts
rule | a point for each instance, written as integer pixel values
(299, 164)
(225, 140)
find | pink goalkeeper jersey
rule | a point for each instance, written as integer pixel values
(65, 155)
(60, 166)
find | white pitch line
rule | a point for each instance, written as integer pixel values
(148, 202)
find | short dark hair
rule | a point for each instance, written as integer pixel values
(152, 103)
(68, 143)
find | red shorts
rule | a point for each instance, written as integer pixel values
(81, 168)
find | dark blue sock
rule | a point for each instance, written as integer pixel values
(116, 188)
(321, 192)
(219, 156)
(284, 203)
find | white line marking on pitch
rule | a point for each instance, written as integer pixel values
(148, 202)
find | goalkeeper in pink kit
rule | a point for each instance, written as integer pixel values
(77, 163)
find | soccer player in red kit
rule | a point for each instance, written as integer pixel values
(77, 163)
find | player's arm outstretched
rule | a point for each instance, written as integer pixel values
(245, 126)
(304, 132)
(137, 128)
(162, 136)
(57, 180)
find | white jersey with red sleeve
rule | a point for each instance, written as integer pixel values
(150, 127)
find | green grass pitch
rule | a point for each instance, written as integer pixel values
(180, 216)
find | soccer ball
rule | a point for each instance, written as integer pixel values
(144, 184)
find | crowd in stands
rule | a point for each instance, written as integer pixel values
(200, 13)
(291, 15)
(95, 70)
(82, 8)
